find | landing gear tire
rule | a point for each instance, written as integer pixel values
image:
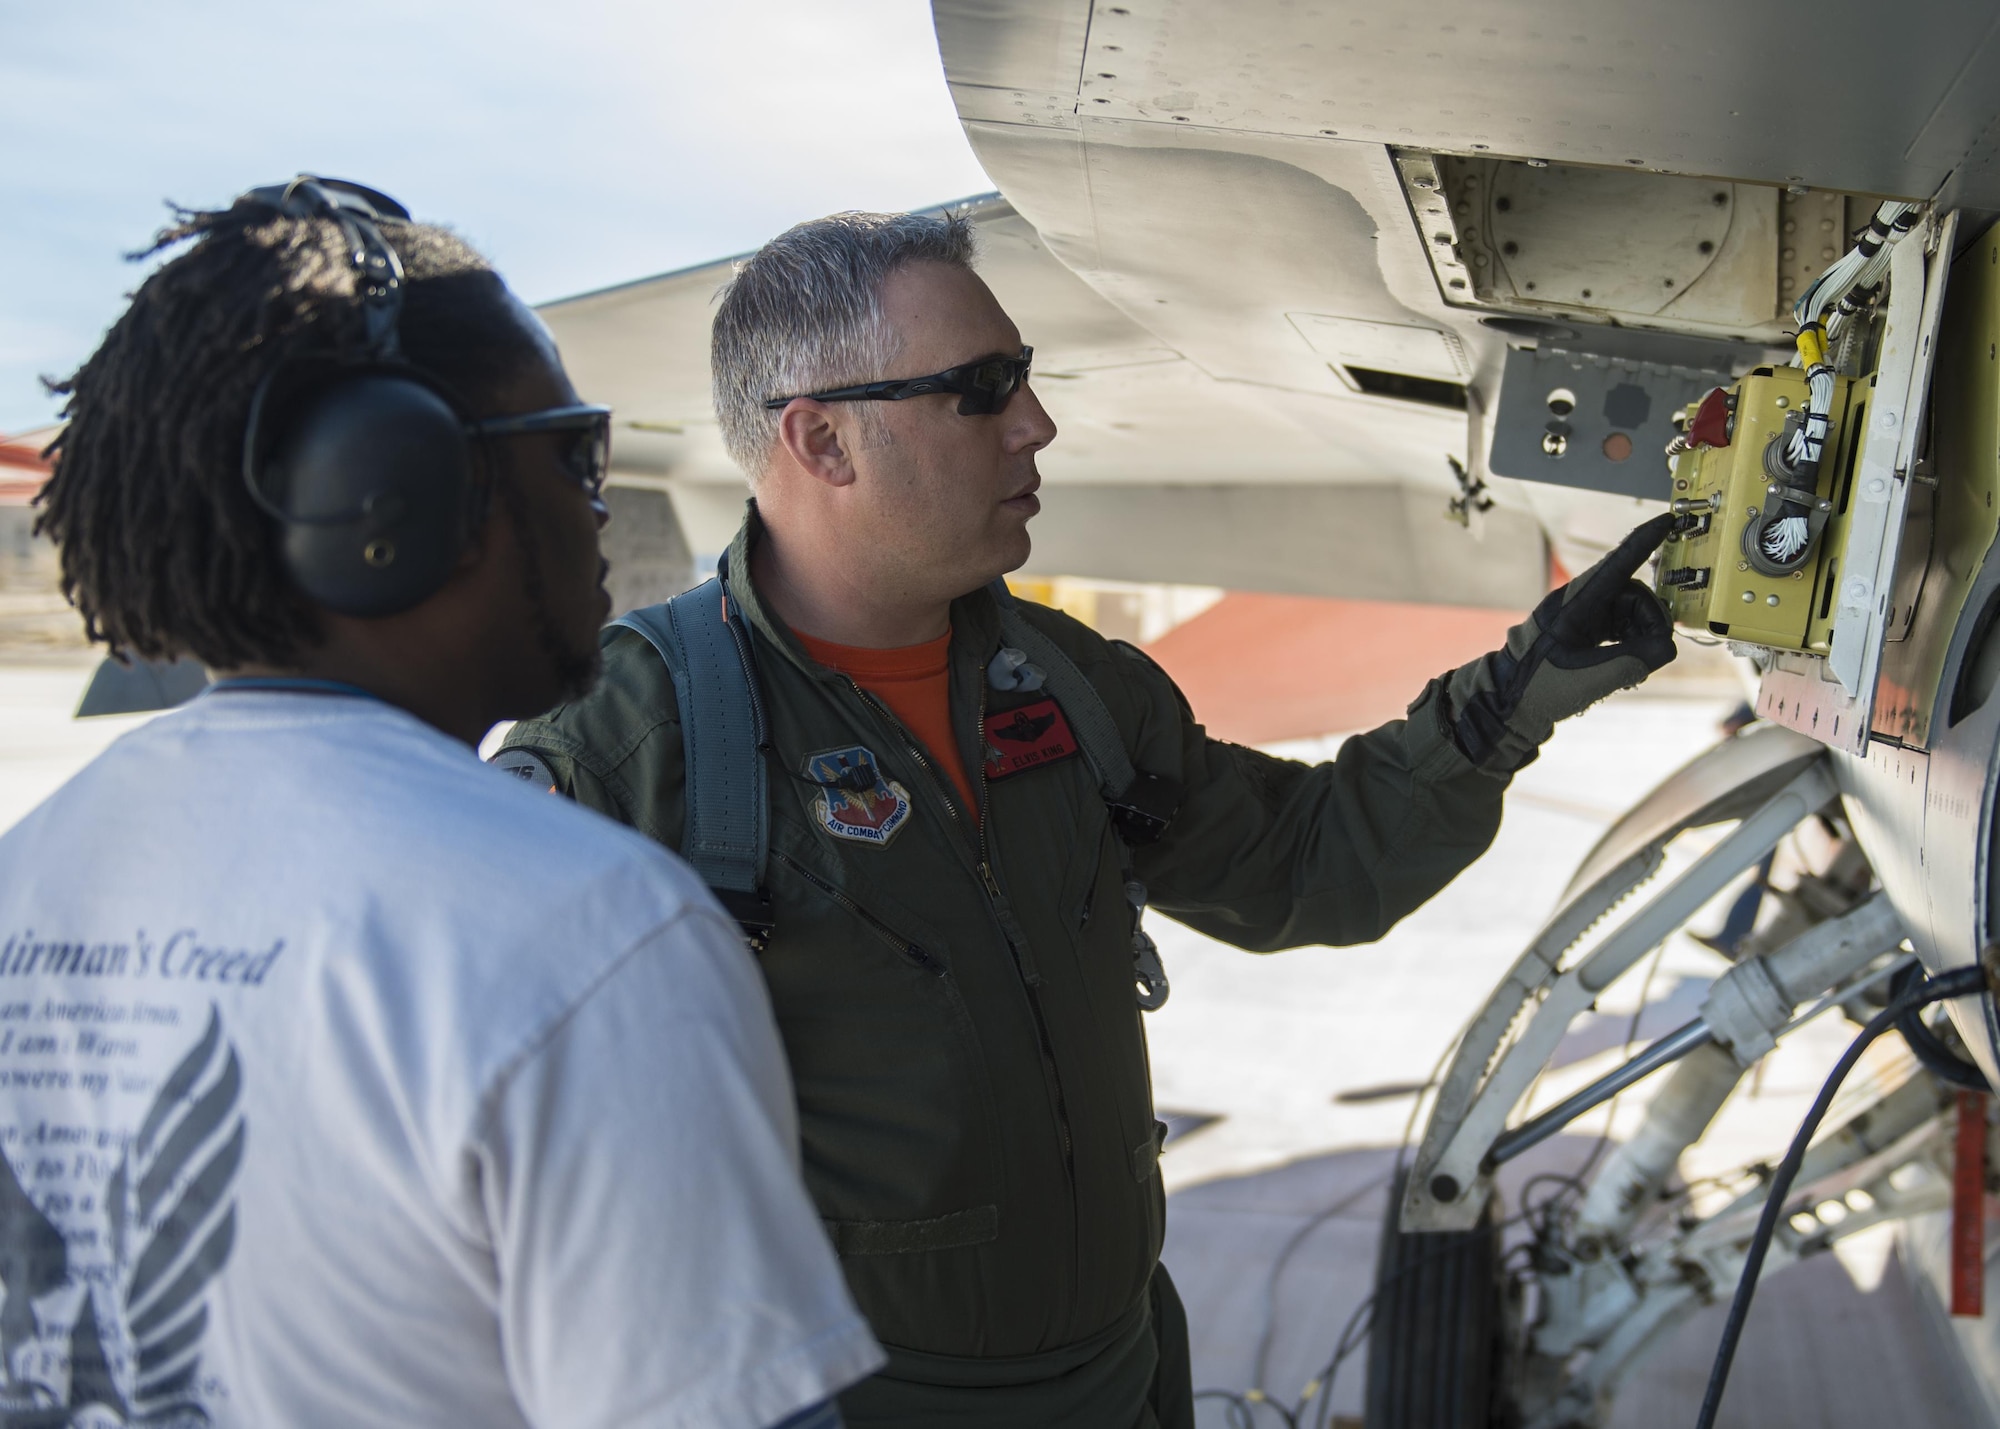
(1435, 1345)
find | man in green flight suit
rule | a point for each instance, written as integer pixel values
(952, 951)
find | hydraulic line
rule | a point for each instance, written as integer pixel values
(1826, 953)
(1670, 1048)
(1959, 982)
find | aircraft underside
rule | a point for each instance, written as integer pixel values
(1542, 268)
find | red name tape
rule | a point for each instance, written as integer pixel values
(1027, 738)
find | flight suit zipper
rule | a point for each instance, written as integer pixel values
(1003, 914)
(911, 748)
(1003, 911)
(915, 952)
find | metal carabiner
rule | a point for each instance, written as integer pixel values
(1147, 973)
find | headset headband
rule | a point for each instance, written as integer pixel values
(378, 272)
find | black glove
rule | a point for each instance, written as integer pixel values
(1601, 633)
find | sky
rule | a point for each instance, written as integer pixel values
(577, 144)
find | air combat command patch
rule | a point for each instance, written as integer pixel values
(855, 801)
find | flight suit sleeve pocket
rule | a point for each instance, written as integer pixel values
(975, 1225)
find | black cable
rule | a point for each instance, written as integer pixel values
(1959, 982)
(1580, 1178)
(1929, 1048)
(1541, 1215)
(1260, 1366)
(1363, 1319)
(1360, 1325)
(1241, 1408)
(1242, 1405)
(1241, 1411)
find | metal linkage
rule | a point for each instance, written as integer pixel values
(1489, 1075)
(1670, 1048)
(1749, 1008)
(1890, 1161)
(1614, 1274)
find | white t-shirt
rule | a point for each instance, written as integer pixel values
(347, 1081)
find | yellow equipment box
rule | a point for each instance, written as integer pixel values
(1707, 578)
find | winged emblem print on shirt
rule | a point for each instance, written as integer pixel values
(105, 1326)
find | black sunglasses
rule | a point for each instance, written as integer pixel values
(983, 387)
(586, 459)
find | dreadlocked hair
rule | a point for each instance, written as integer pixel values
(163, 552)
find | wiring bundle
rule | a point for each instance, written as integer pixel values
(1839, 295)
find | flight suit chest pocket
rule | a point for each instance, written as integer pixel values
(1046, 827)
(896, 1108)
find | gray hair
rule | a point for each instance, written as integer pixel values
(804, 314)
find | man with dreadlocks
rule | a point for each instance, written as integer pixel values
(343, 1079)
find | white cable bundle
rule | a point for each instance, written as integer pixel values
(1784, 538)
(1809, 440)
(1862, 266)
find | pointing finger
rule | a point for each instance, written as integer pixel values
(1632, 552)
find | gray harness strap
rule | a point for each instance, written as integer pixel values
(707, 652)
(1141, 804)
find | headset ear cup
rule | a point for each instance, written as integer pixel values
(372, 481)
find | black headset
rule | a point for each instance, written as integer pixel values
(364, 460)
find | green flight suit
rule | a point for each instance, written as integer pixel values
(957, 998)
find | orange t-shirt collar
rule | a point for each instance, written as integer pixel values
(914, 681)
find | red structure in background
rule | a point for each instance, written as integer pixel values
(1968, 1208)
(22, 469)
(1259, 668)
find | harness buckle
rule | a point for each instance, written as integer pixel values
(752, 912)
(1142, 813)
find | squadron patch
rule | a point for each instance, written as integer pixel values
(527, 766)
(1027, 738)
(855, 801)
